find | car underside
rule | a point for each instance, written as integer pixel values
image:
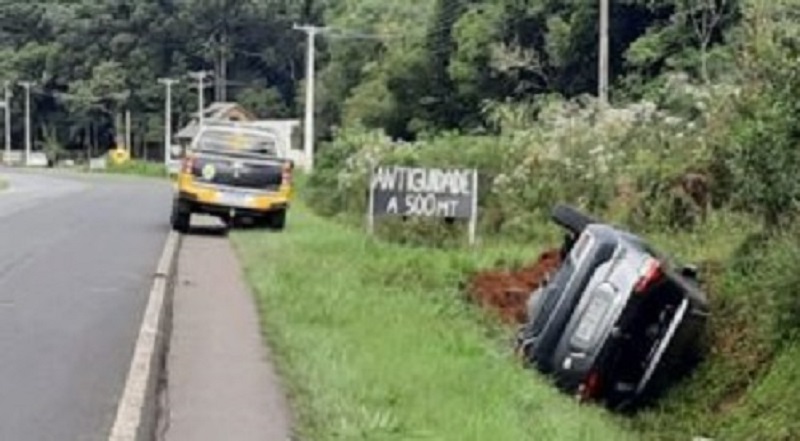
(617, 321)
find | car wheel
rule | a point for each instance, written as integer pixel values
(277, 220)
(570, 218)
(181, 217)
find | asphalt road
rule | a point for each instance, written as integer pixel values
(77, 257)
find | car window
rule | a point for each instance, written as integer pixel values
(236, 141)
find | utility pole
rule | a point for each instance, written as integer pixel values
(7, 116)
(27, 85)
(223, 68)
(200, 77)
(308, 139)
(128, 131)
(602, 83)
(168, 82)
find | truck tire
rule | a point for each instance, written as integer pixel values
(277, 220)
(181, 217)
(570, 218)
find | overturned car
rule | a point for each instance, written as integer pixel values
(617, 321)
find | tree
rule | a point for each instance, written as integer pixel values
(705, 17)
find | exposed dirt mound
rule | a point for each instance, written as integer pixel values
(507, 292)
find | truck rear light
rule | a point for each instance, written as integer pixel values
(286, 176)
(187, 164)
(650, 274)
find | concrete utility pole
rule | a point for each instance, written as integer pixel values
(7, 116)
(128, 131)
(308, 140)
(223, 69)
(168, 82)
(200, 77)
(27, 85)
(602, 83)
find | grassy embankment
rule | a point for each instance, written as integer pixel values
(375, 342)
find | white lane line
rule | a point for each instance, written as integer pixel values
(140, 384)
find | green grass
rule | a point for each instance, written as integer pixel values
(375, 342)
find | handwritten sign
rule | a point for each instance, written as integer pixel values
(423, 192)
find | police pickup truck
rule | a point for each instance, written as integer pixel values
(233, 171)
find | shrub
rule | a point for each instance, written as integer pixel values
(631, 162)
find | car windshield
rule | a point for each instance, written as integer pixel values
(236, 141)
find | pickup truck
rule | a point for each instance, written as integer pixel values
(233, 172)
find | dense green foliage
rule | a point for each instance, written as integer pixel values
(407, 67)
(91, 60)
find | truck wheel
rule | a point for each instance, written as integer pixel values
(181, 217)
(570, 218)
(277, 220)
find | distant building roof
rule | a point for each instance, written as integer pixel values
(218, 110)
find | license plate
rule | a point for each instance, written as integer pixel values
(233, 198)
(591, 319)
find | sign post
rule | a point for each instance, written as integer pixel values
(473, 221)
(424, 192)
(371, 205)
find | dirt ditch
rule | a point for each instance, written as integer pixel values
(507, 291)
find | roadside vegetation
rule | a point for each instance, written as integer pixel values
(138, 168)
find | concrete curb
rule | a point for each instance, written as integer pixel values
(138, 408)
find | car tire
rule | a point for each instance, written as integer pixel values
(277, 220)
(181, 217)
(570, 218)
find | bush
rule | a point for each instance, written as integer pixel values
(631, 163)
(763, 157)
